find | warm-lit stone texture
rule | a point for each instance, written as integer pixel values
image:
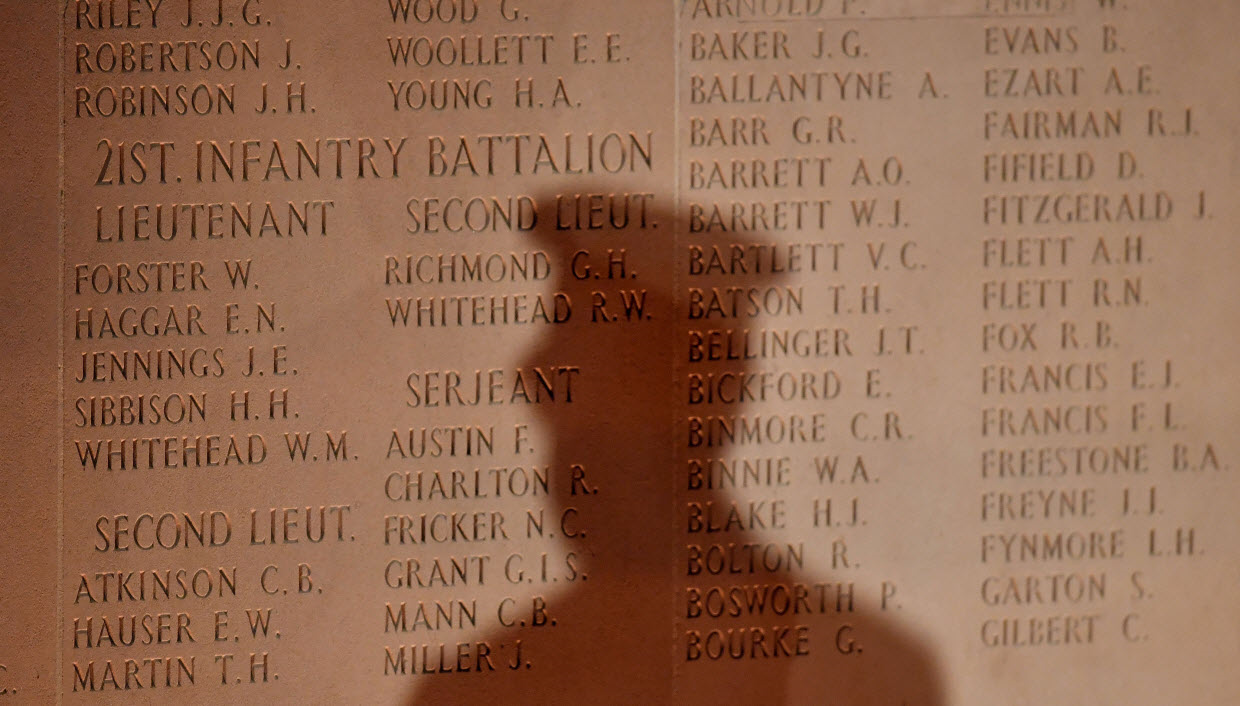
(841, 352)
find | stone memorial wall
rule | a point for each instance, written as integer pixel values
(836, 352)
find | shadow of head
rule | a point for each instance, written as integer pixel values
(651, 312)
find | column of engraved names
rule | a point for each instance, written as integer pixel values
(1083, 414)
(510, 295)
(799, 233)
(181, 378)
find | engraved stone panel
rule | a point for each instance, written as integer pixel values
(532, 351)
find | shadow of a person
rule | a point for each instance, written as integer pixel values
(619, 632)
